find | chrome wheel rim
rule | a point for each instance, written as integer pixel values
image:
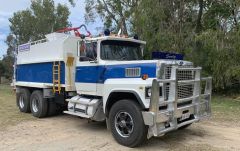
(124, 124)
(35, 105)
(21, 102)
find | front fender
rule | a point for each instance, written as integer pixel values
(135, 86)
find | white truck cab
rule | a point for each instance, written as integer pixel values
(105, 78)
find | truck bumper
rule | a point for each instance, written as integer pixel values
(161, 121)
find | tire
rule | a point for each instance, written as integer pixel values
(129, 111)
(184, 127)
(23, 100)
(38, 104)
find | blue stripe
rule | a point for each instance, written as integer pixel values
(98, 74)
(38, 72)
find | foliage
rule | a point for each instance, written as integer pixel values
(40, 19)
(221, 59)
(2, 69)
(115, 13)
(8, 59)
(33, 24)
(206, 31)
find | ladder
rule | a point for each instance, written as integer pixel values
(56, 77)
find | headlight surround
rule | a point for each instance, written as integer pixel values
(148, 92)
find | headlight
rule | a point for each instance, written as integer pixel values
(148, 92)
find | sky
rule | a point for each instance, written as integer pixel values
(8, 7)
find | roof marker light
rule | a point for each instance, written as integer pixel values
(135, 37)
(107, 32)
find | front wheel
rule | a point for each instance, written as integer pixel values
(127, 124)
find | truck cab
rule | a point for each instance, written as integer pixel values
(106, 78)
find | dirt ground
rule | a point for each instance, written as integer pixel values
(65, 132)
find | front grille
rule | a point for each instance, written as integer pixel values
(182, 75)
(184, 91)
(185, 75)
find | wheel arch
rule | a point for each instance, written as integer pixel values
(118, 95)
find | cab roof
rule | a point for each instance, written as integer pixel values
(115, 38)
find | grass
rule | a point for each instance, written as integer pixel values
(9, 113)
(225, 109)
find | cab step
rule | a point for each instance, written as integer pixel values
(86, 107)
(77, 114)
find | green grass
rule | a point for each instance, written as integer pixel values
(9, 113)
(226, 109)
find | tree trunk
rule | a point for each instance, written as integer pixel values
(124, 26)
(181, 15)
(234, 13)
(199, 19)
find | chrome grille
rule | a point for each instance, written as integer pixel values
(168, 72)
(132, 72)
(184, 91)
(185, 75)
(182, 75)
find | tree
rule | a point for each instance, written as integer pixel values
(8, 59)
(115, 14)
(40, 19)
(33, 24)
(167, 25)
(2, 69)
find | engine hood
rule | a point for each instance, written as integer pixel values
(135, 69)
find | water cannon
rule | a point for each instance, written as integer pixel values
(76, 31)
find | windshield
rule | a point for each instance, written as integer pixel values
(120, 50)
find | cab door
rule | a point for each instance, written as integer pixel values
(87, 68)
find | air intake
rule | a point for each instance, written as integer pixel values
(132, 72)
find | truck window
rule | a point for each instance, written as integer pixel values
(90, 52)
(120, 50)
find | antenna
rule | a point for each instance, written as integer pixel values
(119, 32)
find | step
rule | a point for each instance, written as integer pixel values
(84, 102)
(77, 114)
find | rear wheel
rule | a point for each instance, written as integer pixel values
(127, 124)
(38, 104)
(23, 100)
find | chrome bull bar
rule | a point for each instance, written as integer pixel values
(174, 117)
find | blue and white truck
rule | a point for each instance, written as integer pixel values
(105, 78)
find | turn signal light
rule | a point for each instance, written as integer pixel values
(145, 76)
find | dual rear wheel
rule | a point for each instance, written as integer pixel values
(38, 105)
(35, 102)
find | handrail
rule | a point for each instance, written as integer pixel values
(38, 41)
